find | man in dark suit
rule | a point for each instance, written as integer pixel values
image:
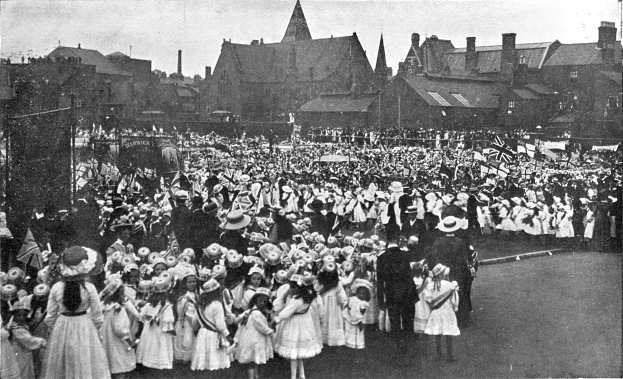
(411, 226)
(396, 293)
(452, 251)
(181, 220)
(319, 222)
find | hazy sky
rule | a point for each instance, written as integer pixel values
(157, 28)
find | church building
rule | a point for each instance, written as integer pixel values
(266, 81)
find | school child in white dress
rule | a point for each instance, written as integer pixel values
(443, 298)
(254, 345)
(296, 336)
(23, 342)
(354, 313)
(212, 344)
(421, 279)
(334, 299)
(116, 333)
(155, 346)
(186, 324)
(253, 281)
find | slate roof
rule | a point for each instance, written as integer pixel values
(339, 103)
(489, 57)
(316, 58)
(478, 93)
(578, 54)
(90, 57)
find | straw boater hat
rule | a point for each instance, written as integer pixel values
(210, 286)
(219, 271)
(440, 269)
(78, 262)
(281, 276)
(450, 224)
(111, 287)
(41, 290)
(396, 187)
(256, 270)
(8, 292)
(236, 220)
(15, 274)
(361, 283)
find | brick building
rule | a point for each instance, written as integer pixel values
(574, 87)
(267, 81)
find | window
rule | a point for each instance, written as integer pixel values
(461, 99)
(613, 102)
(438, 98)
(511, 104)
(573, 74)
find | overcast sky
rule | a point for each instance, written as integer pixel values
(157, 28)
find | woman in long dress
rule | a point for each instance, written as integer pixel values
(74, 349)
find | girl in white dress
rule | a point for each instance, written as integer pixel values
(254, 280)
(74, 349)
(254, 335)
(155, 347)
(354, 312)
(24, 343)
(564, 220)
(334, 299)
(421, 279)
(186, 323)
(443, 298)
(116, 332)
(296, 337)
(211, 345)
(589, 222)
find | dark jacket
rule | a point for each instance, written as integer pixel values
(454, 253)
(180, 222)
(394, 278)
(320, 224)
(233, 239)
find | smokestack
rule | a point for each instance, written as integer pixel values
(509, 55)
(208, 72)
(179, 62)
(471, 58)
(415, 40)
(607, 40)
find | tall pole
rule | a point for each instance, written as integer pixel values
(399, 116)
(72, 129)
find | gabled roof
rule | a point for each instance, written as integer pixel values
(315, 59)
(90, 57)
(578, 54)
(460, 93)
(489, 57)
(297, 29)
(339, 103)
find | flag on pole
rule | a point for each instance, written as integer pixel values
(501, 151)
(29, 253)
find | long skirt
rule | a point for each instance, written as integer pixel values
(74, 350)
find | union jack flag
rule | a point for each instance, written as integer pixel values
(500, 151)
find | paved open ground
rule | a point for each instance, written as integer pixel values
(556, 316)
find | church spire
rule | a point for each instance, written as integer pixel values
(381, 64)
(297, 29)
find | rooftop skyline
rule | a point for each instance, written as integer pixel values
(156, 29)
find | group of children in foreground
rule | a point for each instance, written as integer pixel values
(185, 314)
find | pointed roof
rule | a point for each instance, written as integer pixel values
(297, 29)
(381, 63)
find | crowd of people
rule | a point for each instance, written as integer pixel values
(254, 253)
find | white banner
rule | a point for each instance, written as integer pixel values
(605, 148)
(551, 145)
